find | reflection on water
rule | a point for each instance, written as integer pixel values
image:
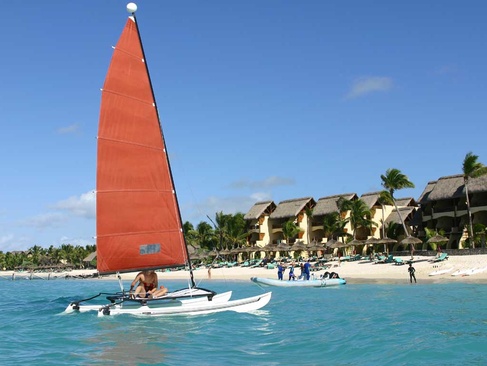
(127, 342)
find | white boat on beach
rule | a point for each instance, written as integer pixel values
(299, 283)
(138, 220)
(441, 271)
(463, 272)
(469, 271)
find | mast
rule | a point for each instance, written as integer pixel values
(132, 8)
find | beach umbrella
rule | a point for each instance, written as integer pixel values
(437, 239)
(335, 244)
(251, 249)
(386, 241)
(270, 247)
(411, 241)
(298, 246)
(372, 241)
(356, 242)
(283, 247)
(316, 247)
(330, 242)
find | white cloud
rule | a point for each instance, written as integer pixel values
(10, 242)
(83, 206)
(228, 205)
(76, 241)
(446, 69)
(371, 84)
(74, 128)
(268, 182)
(42, 221)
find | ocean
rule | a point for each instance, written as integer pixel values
(361, 324)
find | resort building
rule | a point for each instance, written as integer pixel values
(444, 208)
(441, 207)
(266, 219)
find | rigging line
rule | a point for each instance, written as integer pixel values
(118, 49)
(163, 139)
(159, 149)
(151, 103)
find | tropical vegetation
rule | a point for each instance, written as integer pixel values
(66, 255)
(471, 168)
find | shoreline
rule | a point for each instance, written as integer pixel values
(356, 272)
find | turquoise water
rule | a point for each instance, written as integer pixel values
(434, 324)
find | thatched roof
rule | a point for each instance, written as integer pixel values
(90, 257)
(453, 187)
(291, 208)
(394, 216)
(425, 195)
(326, 205)
(259, 208)
(370, 199)
(408, 201)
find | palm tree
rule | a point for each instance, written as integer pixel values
(236, 232)
(204, 235)
(384, 199)
(392, 181)
(331, 224)
(360, 214)
(472, 168)
(309, 216)
(290, 230)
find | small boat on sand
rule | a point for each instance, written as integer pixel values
(299, 283)
(440, 272)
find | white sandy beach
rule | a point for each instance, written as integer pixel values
(360, 271)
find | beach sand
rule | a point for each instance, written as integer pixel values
(361, 271)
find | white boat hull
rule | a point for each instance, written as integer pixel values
(440, 272)
(217, 299)
(299, 283)
(469, 272)
(245, 305)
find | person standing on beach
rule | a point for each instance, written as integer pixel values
(280, 271)
(306, 269)
(411, 271)
(291, 272)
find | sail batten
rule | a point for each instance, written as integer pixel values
(138, 218)
(127, 96)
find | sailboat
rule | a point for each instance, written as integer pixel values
(138, 221)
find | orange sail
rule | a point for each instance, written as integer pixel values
(138, 223)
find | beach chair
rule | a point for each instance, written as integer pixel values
(441, 258)
(356, 257)
(398, 261)
(389, 259)
(256, 264)
(380, 259)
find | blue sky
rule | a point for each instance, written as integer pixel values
(259, 100)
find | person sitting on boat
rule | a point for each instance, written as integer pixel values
(147, 285)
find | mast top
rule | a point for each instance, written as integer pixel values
(132, 8)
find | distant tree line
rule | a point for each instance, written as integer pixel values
(66, 255)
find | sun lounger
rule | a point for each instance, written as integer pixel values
(441, 258)
(380, 259)
(398, 261)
